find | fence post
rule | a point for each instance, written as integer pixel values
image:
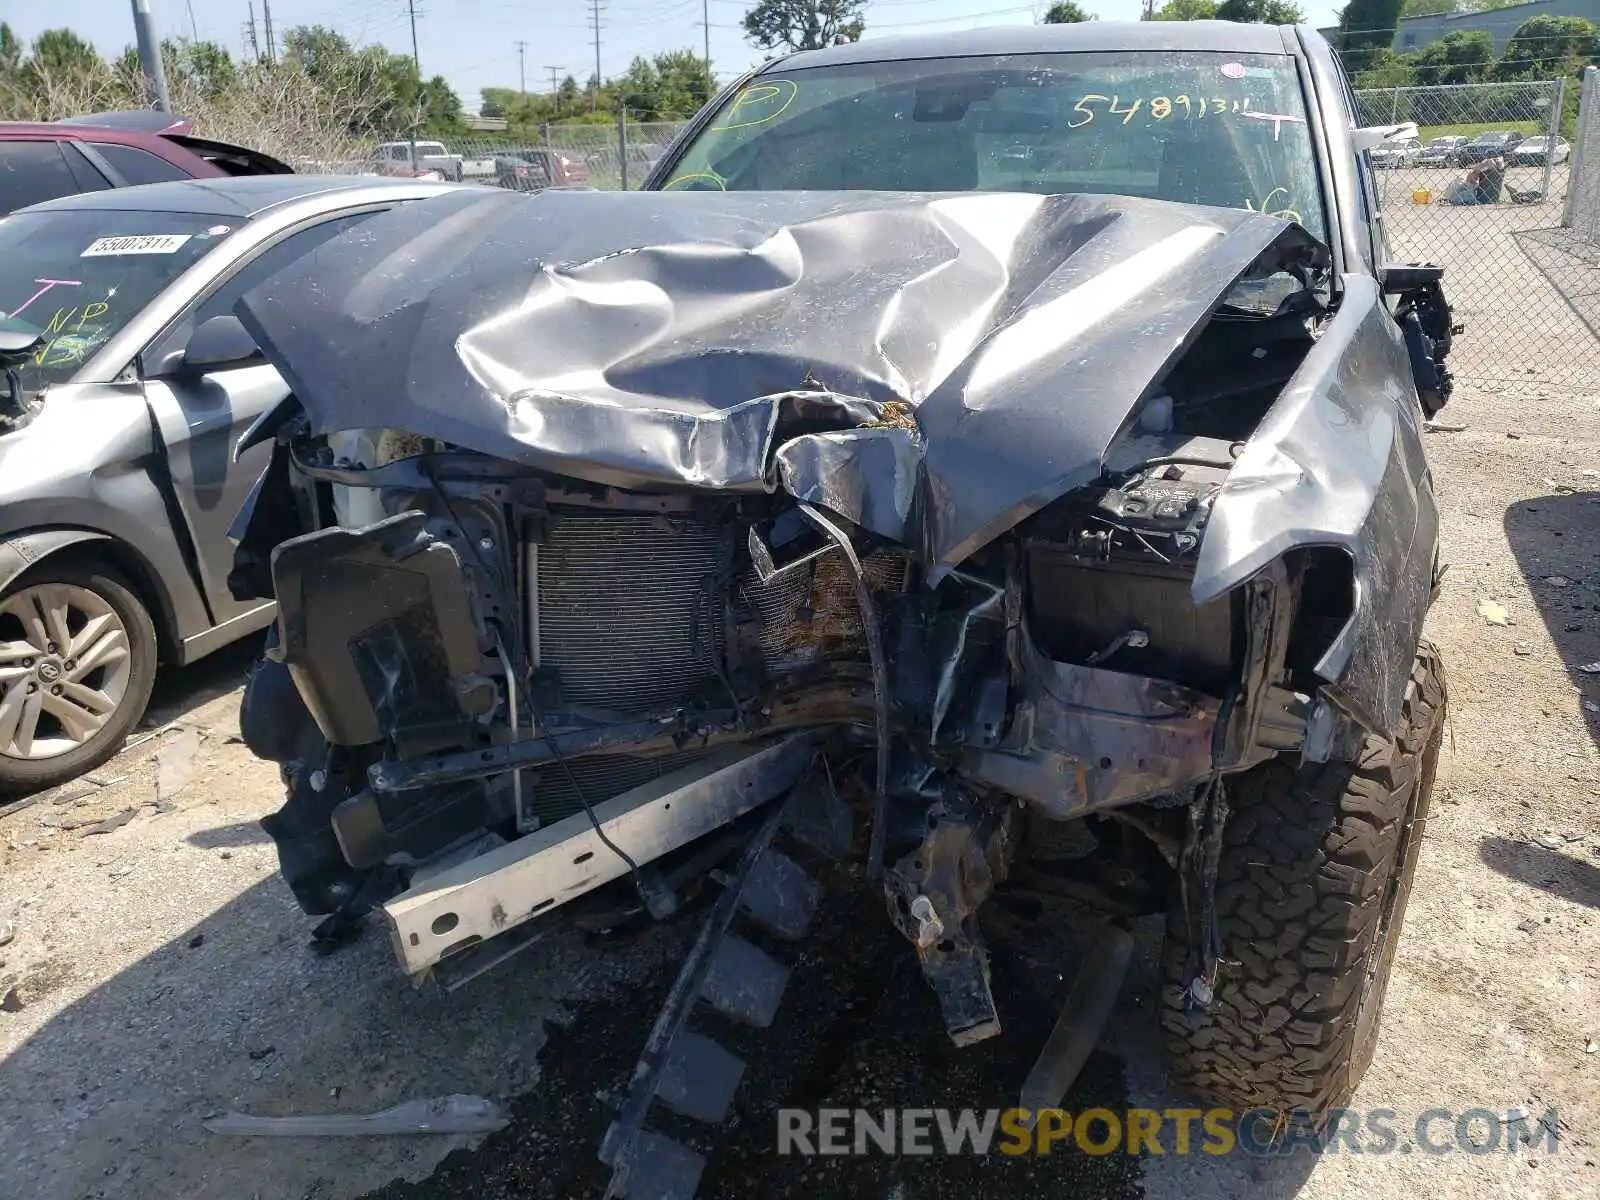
(622, 143)
(1551, 134)
(1394, 108)
(1575, 164)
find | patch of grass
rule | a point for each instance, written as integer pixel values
(1428, 132)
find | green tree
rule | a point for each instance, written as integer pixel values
(1366, 26)
(205, 65)
(1187, 10)
(63, 52)
(804, 24)
(10, 51)
(321, 52)
(1466, 56)
(1066, 12)
(1545, 46)
(1261, 12)
(1429, 8)
(1386, 69)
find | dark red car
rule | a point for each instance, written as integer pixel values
(104, 150)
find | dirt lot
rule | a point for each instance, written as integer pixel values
(159, 972)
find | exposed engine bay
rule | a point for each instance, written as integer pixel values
(566, 659)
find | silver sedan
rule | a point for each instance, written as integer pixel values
(127, 382)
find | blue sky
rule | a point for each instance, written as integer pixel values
(472, 43)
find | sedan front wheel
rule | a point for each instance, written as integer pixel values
(77, 662)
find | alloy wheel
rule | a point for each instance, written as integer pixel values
(65, 667)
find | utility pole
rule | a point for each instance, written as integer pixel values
(194, 29)
(522, 70)
(255, 46)
(266, 20)
(594, 17)
(555, 82)
(144, 30)
(416, 61)
(705, 20)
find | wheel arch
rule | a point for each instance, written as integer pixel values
(21, 552)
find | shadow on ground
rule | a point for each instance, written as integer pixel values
(106, 1099)
(227, 837)
(179, 691)
(1556, 542)
(1546, 869)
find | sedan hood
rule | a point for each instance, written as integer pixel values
(934, 368)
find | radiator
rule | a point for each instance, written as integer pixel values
(624, 609)
(627, 611)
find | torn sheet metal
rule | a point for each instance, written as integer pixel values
(1339, 461)
(934, 368)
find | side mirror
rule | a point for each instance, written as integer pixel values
(1373, 136)
(17, 341)
(1397, 279)
(218, 344)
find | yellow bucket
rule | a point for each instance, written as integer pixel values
(1421, 196)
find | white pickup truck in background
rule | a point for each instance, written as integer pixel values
(395, 158)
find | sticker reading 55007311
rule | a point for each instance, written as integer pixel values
(141, 243)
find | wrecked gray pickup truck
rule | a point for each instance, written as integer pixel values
(1031, 539)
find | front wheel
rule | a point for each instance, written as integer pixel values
(77, 662)
(1316, 868)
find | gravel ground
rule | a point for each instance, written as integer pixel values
(160, 972)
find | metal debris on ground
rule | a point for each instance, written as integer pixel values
(1440, 427)
(1493, 613)
(111, 823)
(1590, 668)
(442, 1114)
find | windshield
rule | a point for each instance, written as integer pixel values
(1222, 129)
(78, 277)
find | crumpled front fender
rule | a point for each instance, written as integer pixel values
(1338, 461)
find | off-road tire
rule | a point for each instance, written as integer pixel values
(20, 776)
(1315, 871)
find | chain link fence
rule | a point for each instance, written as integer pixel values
(605, 156)
(1483, 191)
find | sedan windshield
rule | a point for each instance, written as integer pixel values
(1221, 129)
(77, 277)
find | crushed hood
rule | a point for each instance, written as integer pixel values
(935, 368)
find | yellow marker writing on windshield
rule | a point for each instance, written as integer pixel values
(758, 104)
